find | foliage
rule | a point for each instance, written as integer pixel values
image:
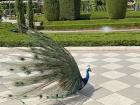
(30, 14)
(20, 15)
(8, 38)
(100, 5)
(116, 8)
(51, 8)
(1, 10)
(98, 39)
(69, 9)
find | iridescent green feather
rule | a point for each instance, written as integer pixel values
(56, 72)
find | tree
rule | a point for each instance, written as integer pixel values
(51, 8)
(20, 15)
(30, 14)
(116, 8)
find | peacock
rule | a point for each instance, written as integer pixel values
(50, 72)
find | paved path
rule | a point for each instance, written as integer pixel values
(90, 30)
(115, 81)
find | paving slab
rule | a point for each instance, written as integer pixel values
(115, 80)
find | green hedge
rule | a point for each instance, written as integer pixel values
(51, 8)
(30, 14)
(92, 26)
(69, 9)
(97, 39)
(76, 39)
(116, 8)
(1, 9)
(98, 20)
(20, 15)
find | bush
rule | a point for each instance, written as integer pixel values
(30, 14)
(1, 9)
(20, 15)
(51, 8)
(97, 39)
(100, 5)
(116, 8)
(69, 9)
(0, 15)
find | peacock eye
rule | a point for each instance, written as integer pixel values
(28, 72)
(47, 97)
(36, 56)
(24, 68)
(56, 95)
(22, 59)
(19, 84)
(41, 71)
(41, 96)
(25, 96)
(11, 69)
(10, 95)
(35, 81)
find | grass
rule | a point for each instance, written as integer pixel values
(9, 39)
(98, 19)
(98, 39)
(12, 39)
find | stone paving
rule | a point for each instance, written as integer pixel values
(115, 80)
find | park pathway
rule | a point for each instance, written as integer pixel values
(90, 30)
(115, 79)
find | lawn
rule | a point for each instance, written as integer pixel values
(97, 20)
(12, 39)
(9, 39)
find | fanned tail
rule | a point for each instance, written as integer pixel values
(49, 71)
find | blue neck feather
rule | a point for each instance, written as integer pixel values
(85, 80)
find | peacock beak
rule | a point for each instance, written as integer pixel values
(90, 68)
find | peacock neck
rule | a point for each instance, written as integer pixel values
(85, 80)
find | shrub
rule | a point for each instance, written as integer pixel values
(51, 9)
(20, 15)
(30, 14)
(116, 8)
(99, 5)
(0, 11)
(69, 9)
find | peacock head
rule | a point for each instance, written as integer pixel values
(89, 68)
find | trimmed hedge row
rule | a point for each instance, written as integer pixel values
(62, 9)
(92, 26)
(30, 14)
(97, 39)
(52, 8)
(116, 8)
(20, 15)
(69, 9)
